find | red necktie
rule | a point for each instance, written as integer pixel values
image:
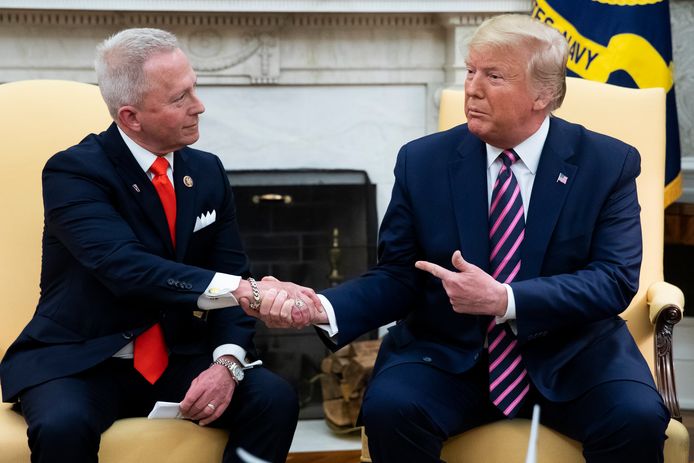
(508, 380)
(150, 353)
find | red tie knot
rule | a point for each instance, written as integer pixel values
(159, 166)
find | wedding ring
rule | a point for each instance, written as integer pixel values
(211, 406)
(298, 303)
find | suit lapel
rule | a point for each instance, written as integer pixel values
(468, 177)
(186, 187)
(547, 197)
(137, 183)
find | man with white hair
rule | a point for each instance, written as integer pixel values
(142, 269)
(510, 247)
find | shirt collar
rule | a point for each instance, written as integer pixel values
(528, 151)
(143, 157)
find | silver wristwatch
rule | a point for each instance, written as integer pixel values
(233, 367)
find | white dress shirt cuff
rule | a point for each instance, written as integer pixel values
(218, 293)
(510, 307)
(330, 328)
(238, 352)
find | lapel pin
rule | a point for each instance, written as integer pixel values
(562, 178)
(187, 181)
(136, 188)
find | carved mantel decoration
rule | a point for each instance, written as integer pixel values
(242, 42)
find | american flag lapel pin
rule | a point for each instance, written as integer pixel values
(136, 188)
(562, 178)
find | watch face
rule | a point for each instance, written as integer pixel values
(238, 373)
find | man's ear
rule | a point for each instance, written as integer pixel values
(128, 117)
(542, 101)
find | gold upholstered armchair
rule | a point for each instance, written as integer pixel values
(637, 117)
(38, 119)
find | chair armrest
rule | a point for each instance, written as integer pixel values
(661, 296)
(666, 304)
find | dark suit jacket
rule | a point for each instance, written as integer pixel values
(109, 269)
(580, 261)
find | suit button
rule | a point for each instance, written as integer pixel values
(189, 286)
(426, 359)
(170, 282)
(127, 335)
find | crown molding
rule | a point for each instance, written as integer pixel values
(277, 6)
(255, 20)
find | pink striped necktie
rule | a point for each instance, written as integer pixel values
(508, 381)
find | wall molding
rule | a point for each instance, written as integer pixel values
(309, 6)
(182, 19)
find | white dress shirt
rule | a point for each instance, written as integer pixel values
(524, 170)
(218, 293)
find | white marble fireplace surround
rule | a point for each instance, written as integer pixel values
(318, 84)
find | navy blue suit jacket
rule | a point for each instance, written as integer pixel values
(110, 270)
(580, 261)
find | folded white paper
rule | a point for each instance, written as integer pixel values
(165, 410)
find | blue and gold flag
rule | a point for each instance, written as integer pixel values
(626, 43)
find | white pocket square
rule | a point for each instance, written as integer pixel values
(204, 220)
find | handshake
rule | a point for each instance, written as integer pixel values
(280, 304)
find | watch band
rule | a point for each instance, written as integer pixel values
(235, 370)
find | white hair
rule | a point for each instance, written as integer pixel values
(548, 50)
(119, 64)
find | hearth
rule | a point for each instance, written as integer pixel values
(315, 228)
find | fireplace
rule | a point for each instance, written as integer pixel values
(315, 228)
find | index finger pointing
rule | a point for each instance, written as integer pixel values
(436, 270)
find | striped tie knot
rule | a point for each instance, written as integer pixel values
(508, 157)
